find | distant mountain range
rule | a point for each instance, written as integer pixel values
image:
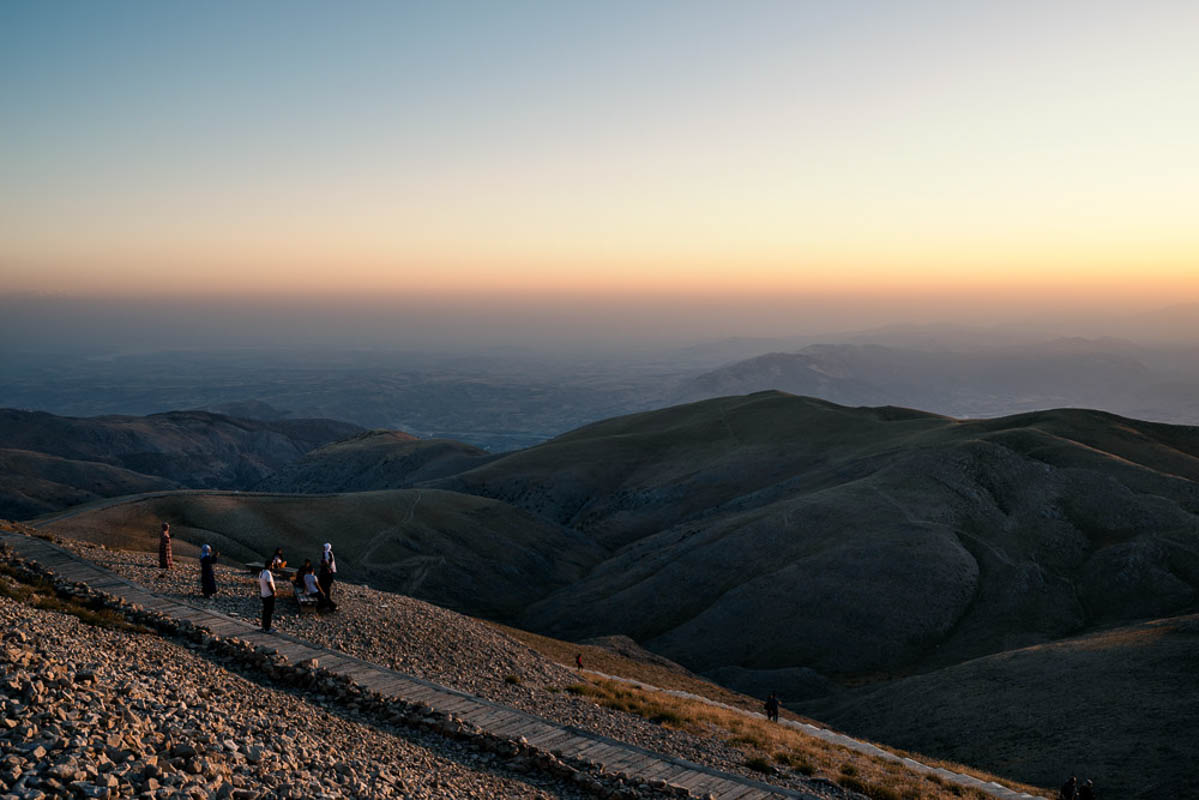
(505, 402)
(966, 383)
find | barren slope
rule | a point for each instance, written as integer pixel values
(35, 483)
(192, 448)
(774, 532)
(456, 550)
(374, 460)
(1119, 706)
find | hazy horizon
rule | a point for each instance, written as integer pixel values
(552, 323)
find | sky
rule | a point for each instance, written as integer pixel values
(929, 153)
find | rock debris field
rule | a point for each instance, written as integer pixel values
(94, 712)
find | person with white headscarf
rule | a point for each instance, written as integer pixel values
(328, 571)
(207, 575)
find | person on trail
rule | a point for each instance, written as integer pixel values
(772, 707)
(207, 576)
(579, 661)
(266, 590)
(165, 560)
(1069, 790)
(1087, 790)
(327, 574)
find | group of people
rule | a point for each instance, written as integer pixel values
(1073, 790)
(307, 582)
(310, 581)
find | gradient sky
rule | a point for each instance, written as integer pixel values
(616, 147)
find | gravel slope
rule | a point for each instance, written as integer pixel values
(431, 642)
(97, 713)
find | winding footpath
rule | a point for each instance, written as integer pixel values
(615, 756)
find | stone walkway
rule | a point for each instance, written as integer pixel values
(616, 757)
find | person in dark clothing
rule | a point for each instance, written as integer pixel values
(165, 557)
(326, 575)
(207, 576)
(1087, 791)
(579, 661)
(266, 590)
(1069, 790)
(772, 707)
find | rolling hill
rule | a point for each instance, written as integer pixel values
(851, 541)
(53, 462)
(1119, 706)
(374, 460)
(459, 551)
(870, 563)
(35, 483)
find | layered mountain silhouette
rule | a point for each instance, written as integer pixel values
(968, 381)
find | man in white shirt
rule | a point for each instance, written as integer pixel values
(266, 589)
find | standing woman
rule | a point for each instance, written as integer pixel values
(328, 571)
(165, 561)
(207, 576)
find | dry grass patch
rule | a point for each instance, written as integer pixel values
(772, 748)
(604, 660)
(40, 593)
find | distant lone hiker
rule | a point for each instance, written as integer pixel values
(266, 589)
(327, 573)
(772, 707)
(207, 576)
(1069, 790)
(165, 560)
(579, 661)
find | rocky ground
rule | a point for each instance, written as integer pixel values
(427, 641)
(91, 712)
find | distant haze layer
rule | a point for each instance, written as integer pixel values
(473, 321)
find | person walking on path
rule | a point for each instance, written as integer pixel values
(165, 560)
(266, 589)
(327, 573)
(207, 576)
(772, 707)
(1069, 790)
(579, 661)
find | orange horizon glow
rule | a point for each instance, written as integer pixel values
(816, 149)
